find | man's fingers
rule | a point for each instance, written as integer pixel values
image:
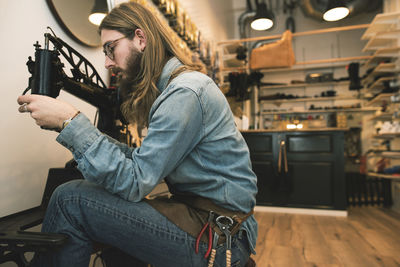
(24, 108)
(24, 99)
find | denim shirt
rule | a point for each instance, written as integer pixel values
(192, 142)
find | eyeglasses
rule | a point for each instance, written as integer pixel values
(108, 48)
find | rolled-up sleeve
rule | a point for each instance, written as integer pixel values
(174, 130)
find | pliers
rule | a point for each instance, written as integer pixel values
(208, 224)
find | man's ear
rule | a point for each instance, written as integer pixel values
(142, 40)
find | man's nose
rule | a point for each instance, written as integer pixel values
(109, 63)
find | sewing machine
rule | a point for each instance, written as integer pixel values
(48, 78)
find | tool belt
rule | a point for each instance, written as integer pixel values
(190, 213)
(196, 216)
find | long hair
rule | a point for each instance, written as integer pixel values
(126, 18)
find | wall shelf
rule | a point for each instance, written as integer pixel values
(301, 85)
(386, 68)
(391, 154)
(383, 54)
(308, 99)
(297, 34)
(378, 84)
(378, 100)
(230, 61)
(300, 66)
(382, 22)
(381, 69)
(382, 40)
(321, 111)
(386, 135)
(382, 175)
(382, 117)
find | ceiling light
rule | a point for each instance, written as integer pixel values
(99, 11)
(336, 10)
(264, 18)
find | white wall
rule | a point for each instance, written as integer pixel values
(27, 152)
(215, 19)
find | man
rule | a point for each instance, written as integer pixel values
(191, 142)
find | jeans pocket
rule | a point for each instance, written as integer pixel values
(243, 244)
(240, 252)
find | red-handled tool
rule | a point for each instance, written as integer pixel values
(209, 226)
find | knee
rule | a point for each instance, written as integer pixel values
(68, 190)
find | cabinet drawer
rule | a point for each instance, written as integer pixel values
(259, 143)
(310, 143)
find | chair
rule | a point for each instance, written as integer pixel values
(15, 240)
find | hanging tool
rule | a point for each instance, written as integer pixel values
(225, 223)
(208, 225)
(214, 250)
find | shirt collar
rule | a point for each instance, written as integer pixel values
(166, 73)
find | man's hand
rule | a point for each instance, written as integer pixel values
(48, 112)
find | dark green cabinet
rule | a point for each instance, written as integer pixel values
(314, 176)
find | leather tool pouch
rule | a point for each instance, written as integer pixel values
(274, 55)
(190, 213)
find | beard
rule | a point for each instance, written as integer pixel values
(128, 78)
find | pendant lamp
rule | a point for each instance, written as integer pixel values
(99, 11)
(336, 10)
(264, 18)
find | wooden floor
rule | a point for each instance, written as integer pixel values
(369, 236)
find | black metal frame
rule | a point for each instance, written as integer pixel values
(47, 72)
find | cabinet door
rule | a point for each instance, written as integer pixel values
(261, 146)
(316, 169)
(311, 183)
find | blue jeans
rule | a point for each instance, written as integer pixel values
(87, 213)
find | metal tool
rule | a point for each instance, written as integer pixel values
(209, 224)
(225, 223)
(214, 250)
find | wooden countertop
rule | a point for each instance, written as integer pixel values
(295, 130)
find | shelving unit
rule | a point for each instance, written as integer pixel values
(229, 63)
(383, 37)
(229, 46)
(183, 31)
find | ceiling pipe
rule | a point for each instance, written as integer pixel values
(245, 18)
(316, 8)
